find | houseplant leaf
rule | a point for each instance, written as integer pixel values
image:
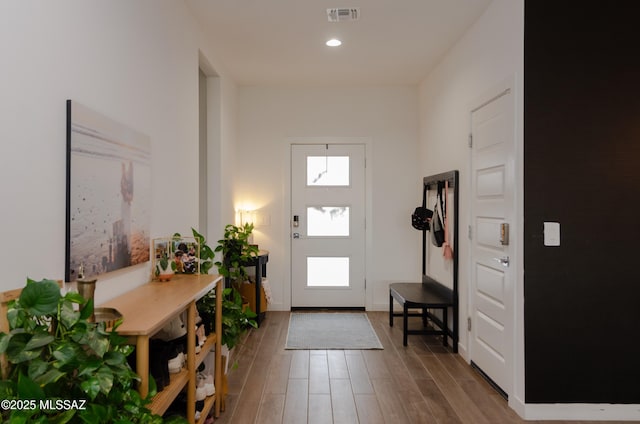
(87, 310)
(38, 340)
(89, 367)
(66, 354)
(50, 376)
(105, 379)
(114, 358)
(36, 368)
(16, 350)
(91, 387)
(28, 389)
(75, 297)
(40, 297)
(4, 341)
(98, 343)
(68, 316)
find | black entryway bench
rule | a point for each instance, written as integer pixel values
(430, 295)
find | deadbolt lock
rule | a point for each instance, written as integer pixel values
(504, 234)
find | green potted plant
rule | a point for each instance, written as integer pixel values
(56, 355)
(236, 252)
(236, 319)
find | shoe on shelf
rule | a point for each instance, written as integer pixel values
(208, 385)
(158, 362)
(176, 361)
(174, 329)
(201, 390)
(202, 335)
(199, 408)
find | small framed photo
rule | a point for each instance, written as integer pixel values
(186, 254)
(160, 249)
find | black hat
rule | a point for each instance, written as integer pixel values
(421, 217)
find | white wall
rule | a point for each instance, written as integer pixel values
(490, 53)
(135, 62)
(271, 117)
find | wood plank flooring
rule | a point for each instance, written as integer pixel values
(421, 383)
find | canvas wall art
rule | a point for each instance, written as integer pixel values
(108, 194)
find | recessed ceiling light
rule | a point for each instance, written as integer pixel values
(334, 42)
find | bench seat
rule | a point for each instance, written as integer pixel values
(429, 294)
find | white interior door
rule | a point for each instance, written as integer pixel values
(327, 225)
(493, 209)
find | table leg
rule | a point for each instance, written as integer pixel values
(142, 364)
(191, 361)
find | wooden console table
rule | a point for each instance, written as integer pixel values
(146, 310)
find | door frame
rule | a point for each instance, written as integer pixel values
(516, 337)
(368, 205)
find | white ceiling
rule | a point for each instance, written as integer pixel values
(281, 42)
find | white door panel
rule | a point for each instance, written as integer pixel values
(490, 182)
(492, 194)
(490, 333)
(327, 245)
(490, 283)
(490, 344)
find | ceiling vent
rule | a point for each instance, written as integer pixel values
(343, 14)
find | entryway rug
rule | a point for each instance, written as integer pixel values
(331, 330)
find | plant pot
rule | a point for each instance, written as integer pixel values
(165, 273)
(164, 277)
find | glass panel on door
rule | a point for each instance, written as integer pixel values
(327, 221)
(328, 171)
(327, 272)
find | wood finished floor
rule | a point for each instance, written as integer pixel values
(422, 383)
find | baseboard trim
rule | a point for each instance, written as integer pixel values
(576, 411)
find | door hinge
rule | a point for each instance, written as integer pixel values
(470, 233)
(470, 140)
(365, 283)
(468, 323)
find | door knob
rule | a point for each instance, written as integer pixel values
(504, 261)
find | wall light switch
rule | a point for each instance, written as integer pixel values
(264, 219)
(552, 234)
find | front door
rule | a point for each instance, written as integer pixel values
(328, 225)
(493, 210)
